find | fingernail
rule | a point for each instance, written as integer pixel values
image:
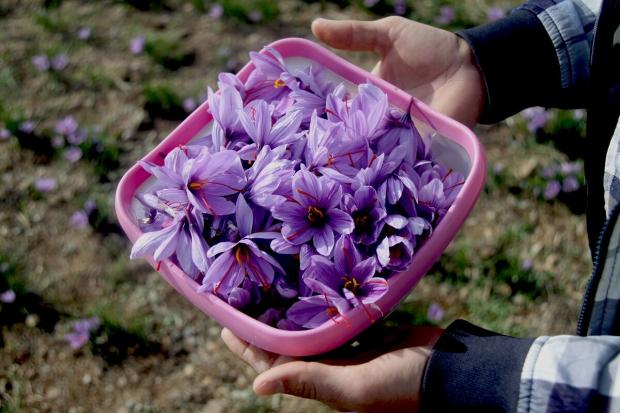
(269, 387)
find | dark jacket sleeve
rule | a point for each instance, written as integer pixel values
(473, 370)
(536, 56)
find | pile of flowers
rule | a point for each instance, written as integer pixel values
(302, 199)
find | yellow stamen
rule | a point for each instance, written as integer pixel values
(278, 83)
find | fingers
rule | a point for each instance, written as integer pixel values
(371, 36)
(259, 360)
(332, 385)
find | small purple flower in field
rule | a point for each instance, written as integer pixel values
(84, 33)
(446, 15)
(58, 142)
(4, 134)
(312, 214)
(571, 168)
(89, 206)
(73, 154)
(216, 11)
(45, 184)
(79, 220)
(66, 126)
(255, 16)
(495, 13)
(552, 190)
(7, 297)
(77, 137)
(537, 118)
(498, 168)
(579, 114)
(59, 62)
(189, 104)
(570, 184)
(27, 127)
(81, 332)
(41, 62)
(136, 45)
(238, 260)
(527, 264)
(368, 214)
(400, 7)
(435, 312)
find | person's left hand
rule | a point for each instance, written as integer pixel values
(384, 381)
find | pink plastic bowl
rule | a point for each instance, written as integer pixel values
(454, 145)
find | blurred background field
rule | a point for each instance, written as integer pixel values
(88, 87)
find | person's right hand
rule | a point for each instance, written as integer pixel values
(434, 65)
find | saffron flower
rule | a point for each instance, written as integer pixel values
(271, 81)
(8, 297)
(41, 62)
(238, 260)
(312, 212)
(59, 62)
(81, 332)
(47, 184)
(368, 214)
(181, 234)
(435, 312)
(136, 45)
(79, 219)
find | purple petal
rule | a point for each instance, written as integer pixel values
(244, 216)
(340, 221)
(323, 240)
(220, 248)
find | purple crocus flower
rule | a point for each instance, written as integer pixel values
(331, 151)
(208, 179)
(45, 184)
(181, 234)
(79, 219)
(81, 332)
(269, 177)
(271, 79)
(435, 312)
(136, 45)
(66, 126)
(59, 62)
(77, 137)
(570, 184)
(552, 190)
(364, 115)
(527, 264)
(8, 297)
(84, 33)
(238, 260)
(41, 62)
(446, 15)
(27, 127)
(256, 120)
(224, 107)
(4, 134)
(495, 13)
(400, 7)
(241, 297)
(312, 94)
(399, 131)
(216, 11)
(536, 118)
(312, 212)
(394, 253)
(73, 154)
(368, 214)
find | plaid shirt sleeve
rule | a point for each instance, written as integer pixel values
(536, 56)
(570, 373)
(475, 370)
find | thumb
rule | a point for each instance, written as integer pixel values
(309, 380)
(370, 36)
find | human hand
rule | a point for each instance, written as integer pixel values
(434, 65)
(368, 378)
